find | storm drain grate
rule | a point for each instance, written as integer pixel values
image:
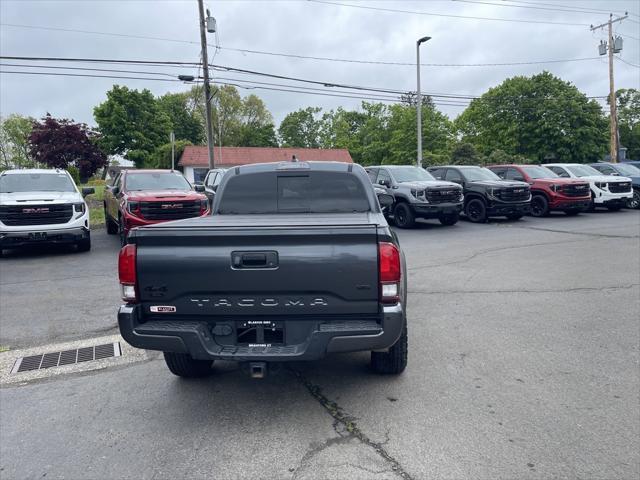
(66, 357)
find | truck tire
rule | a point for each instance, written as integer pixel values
(403, 217)
(539, 206)
(634, 202)
(449, 219)
(475, 211)
(394, 361)
(84, 245)
(182, 365)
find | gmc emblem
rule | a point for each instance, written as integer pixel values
(35, 210)
(170, 205)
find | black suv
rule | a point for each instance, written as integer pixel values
(211, 182)
(417, 194)
(485, 194)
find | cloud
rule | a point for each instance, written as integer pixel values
(305, 28)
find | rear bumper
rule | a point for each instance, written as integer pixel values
(18, 239)
(435, 210)
(499, 209)
(198, 338)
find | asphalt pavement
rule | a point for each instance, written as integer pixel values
(524, 363)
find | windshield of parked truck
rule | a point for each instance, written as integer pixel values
(535, 171)
(36, 182)
(156, 181)
(627, 170)
(478, 174)
(582, 170)
(410, 174)
(311, 192)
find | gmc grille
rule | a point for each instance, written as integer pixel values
(170, 210)
(619, 187)
(515, 194)
(48, 214)
(444, 195)
(579, 190)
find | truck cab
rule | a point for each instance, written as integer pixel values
(549, 192)
(417, 194)
(39, 206)
(609, 191)
(485, 194)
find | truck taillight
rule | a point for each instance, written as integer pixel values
(389, 272)
(204, 206)
(127, 272)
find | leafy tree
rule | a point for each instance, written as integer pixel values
(132, 123)
(14, 141)
(161, 157)
(302, 128)
(61, 143)
(258, 136)
(629, 121)
(498, 157)
(465, 154)
(186, 123)
(541, 117)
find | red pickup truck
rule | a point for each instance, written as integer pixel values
(144, 197)
(549, 192)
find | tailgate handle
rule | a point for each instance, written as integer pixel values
(254, 259)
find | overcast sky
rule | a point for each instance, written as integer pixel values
(310, 29)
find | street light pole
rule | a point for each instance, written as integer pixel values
(419, 100)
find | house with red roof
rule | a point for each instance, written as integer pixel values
(195, 159)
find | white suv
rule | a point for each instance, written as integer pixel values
(606, 190)
(42, 206)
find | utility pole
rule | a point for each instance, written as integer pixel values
(612, 47)
(207, 86)
(419, 100)
(172, 138)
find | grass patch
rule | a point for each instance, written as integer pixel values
(4, 349)
(94, 202)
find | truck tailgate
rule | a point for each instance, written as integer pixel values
(274, 266)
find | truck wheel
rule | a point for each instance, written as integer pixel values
(539, 206)
(635, 201)
(395, 360)
(514, 216)
(403, 216)
(449, 219)
(84, 245)
(112, 227)
(476, 211)
(182, 365)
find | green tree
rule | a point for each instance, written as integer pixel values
(540, 117)
(629, 121)
(14, 141)
(161, 156)
(186, 123)
(132, 124)
(465, 154)
(302, 128)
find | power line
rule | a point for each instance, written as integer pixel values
(628, 63)
(585, 9)
(307, 57)
(538, 6)
(417, 12)
(87, 69)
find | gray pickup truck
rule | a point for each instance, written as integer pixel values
(297, 261)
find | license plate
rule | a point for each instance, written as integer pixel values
(38, 236)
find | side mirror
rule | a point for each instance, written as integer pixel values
(385, 183)
(615, 174)
(88, 191)
(115, 190)
(385, 199)
(198, 187)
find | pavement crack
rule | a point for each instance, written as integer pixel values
(342, 418)
(586, 234)
(524, 290)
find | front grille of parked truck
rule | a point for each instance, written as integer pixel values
(443, 195)
(515, 194)
(576, 190)
(41, 214)
(170, 210)
(619, 187)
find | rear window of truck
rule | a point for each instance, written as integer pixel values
(312, 192)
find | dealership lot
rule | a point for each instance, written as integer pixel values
(524, 363)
